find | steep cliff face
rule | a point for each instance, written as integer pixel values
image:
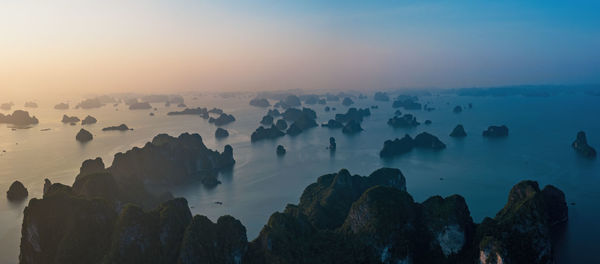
(168, 161)
(224, 242)
(340, 219)
(150, 237)
(64, 227)
(327, 202)
(520, 232)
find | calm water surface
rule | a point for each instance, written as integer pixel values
(482, 170)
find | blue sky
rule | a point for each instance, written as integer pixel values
(299, 44)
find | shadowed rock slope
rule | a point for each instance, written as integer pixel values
(341, 218)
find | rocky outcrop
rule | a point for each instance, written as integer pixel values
(17, 191)
(428, 141)
(340, 219)
(84, 136)
(168, 161)
(19, 118)
(581, 146)
(332, 144)
(31, 104)
(90, 103)
(292, 101)
(200, 111)
(262, 133)
(289, 102)
(381, 96)
(260, 102)
(281, 124)
(352, 127)
(206, 242)
(310, 99)
(406, 144)
(280, 150)
(140, 106)
(274, 113)
(300, 119)
(333, 124)
(121, 127)
(6, 106)
(496, 131)
(88, 120)
(458, 132)
(353, 114)
(457, 109)
(222, 120)
(407, 102)
(70, 119)
(61, 106)
(221, 133)
(267, 120)
(66, 228)
(521, 232)
(294, 130)
(327, 202)
(347, 101)
(405, 121)
(216, 111)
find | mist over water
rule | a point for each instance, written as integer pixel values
(480, 169)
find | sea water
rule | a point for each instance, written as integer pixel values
(480, 169)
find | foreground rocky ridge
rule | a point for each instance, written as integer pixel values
(341, 218)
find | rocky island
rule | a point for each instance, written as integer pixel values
(19, 118)
(352, 127)
(397, 146)
(581, 146)
(221, 133)
(341, 218)
(496, 131)
(90, 103)
(61, 106)
(347, 101)
(70, 119)
(200, 111)
(281, 124)
(121, 127)
(405, 121)
(267, 120)
(381, 96)
(300, 120)
(222, 120)
(262, 133)
(140, 106)
(458, 132)
(6, 106)
(280, 150)
(260, 102)
(88, 120)
(84, 136)
(17, 192)
(407, 102)
(31, 104)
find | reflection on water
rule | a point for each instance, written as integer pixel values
(482, 170)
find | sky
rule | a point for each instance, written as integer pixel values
(181, 45)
